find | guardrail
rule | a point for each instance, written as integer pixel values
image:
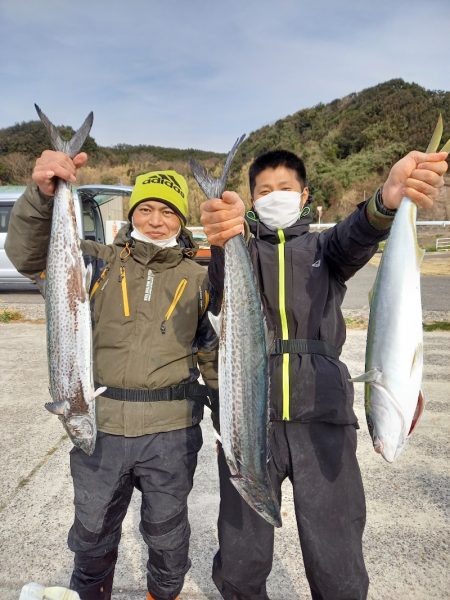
(443, 244)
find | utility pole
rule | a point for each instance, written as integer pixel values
(319, 212)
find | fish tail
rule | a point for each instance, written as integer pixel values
(445, 147)
(436, 137)
(211, 186)
(70, 147)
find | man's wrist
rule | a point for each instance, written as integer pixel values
(388, 212)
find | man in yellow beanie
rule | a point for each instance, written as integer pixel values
(151, 339)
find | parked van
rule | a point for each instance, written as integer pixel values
(98, 206)
(91, 203)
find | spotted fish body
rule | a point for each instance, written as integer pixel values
(244, 383)
(69, 335)
(243, 369)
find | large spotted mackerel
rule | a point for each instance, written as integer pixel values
(69, 334)
(243, 368)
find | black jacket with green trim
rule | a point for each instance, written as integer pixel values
(314, 268)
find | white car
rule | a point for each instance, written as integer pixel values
(90, 220)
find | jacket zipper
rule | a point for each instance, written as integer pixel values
(123, 282)
(178, 293)
(284, 324)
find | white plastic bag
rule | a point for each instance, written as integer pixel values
(34, 591)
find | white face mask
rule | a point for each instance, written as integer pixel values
(279, 209)
(167, 243)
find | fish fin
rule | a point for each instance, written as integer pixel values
(270, 338)
(57, 408)
(211, 186)
(368, 377)
(69, 147)
(232, 466)
(216, 322)
(436, 137)
(99, 391)
(420, 253)
(445, 147)
(418, 412)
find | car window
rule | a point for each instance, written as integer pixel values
(5, 210)
(88, 221)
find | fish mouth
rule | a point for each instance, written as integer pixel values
(82, 431)
(389, 451)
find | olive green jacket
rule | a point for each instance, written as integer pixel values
(151, 329)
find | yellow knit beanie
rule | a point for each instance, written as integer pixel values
(168, 187)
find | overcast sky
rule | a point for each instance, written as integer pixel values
(198, 73)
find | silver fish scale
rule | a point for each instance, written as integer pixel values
(243, 380)
(69, 343)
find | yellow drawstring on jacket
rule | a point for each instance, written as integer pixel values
(178, 293)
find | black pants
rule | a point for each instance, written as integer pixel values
(320, 461)
(162, 467)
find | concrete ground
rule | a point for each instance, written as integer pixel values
(406, 540)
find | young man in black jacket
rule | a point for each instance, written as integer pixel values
(302, 279)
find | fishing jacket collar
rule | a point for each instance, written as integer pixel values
(159, 259)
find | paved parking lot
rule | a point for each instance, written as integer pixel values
(407, 533)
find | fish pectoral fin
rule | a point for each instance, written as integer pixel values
(99, 391)
(418, 412)
(420, 253)
(216, 322)
(368, 377)
(56, 408)
(270, 339)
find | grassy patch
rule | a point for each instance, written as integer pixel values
(352, 323)
(6, 315)
(437, 326)
(358, 323)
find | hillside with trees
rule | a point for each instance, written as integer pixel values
(348, 146)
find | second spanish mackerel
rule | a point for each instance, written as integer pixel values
(69, 335)
(243, 368)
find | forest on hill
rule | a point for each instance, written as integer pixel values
(348, 146)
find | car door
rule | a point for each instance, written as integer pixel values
(103, 209)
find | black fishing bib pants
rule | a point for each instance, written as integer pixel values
(320, 461)
(162, 467)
